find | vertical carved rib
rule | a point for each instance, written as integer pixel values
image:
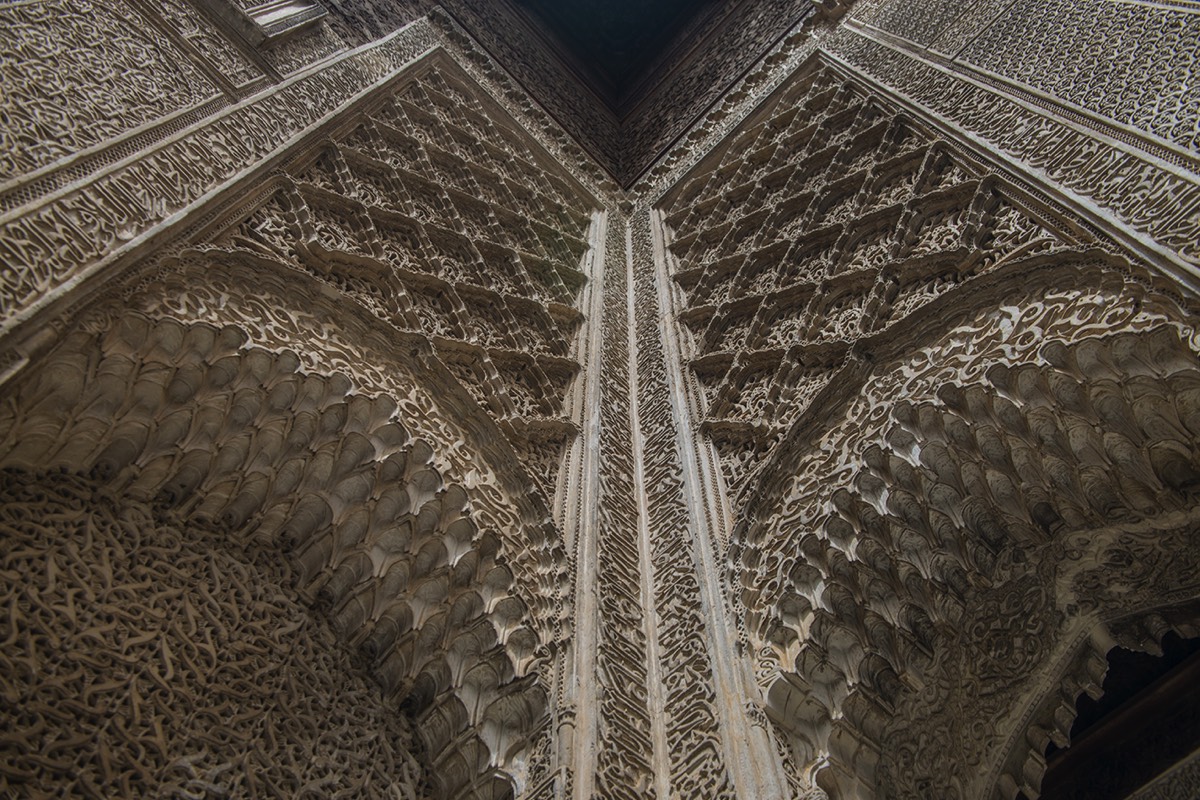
(623, 767)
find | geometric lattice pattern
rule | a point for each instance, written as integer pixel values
(829, 221)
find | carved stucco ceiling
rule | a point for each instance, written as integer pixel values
(626, 78)
(616, 42)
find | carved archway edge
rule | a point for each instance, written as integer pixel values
(177, 249)
(1090, 266)
(1079, 669)
(1078, 665)
(386, 354)
(1115, 265)
(377, 463)
(172, 261)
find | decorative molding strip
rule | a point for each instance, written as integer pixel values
(1179, 783)
(1159, 148)
(621, 764)
(80, 222)
(278, 18)
(719, 752)
(1132, 190)
(263, 24)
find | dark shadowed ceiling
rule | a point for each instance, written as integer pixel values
(615, 41)
(626, 78)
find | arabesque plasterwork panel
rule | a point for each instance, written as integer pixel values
(423, 267)
(361, 436)
(812, 258)
(104, 71)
